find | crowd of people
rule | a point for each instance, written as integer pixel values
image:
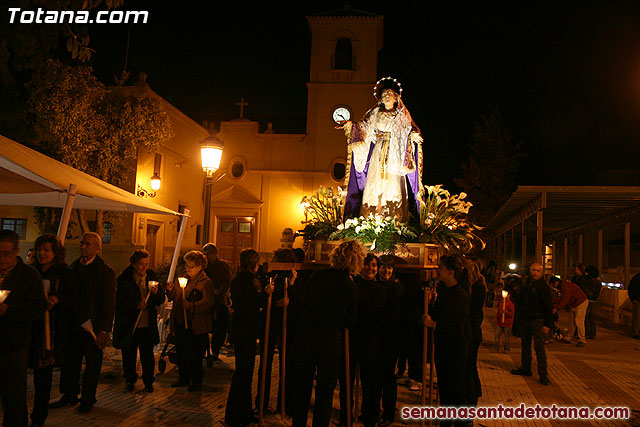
(59, 315)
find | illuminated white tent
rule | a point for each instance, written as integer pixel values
(29, 178)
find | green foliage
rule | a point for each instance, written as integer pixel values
(323, 212)
(489, 175)
(95, 129)
(384, 234)
(444, 220)
(25, 48)
(47, 219)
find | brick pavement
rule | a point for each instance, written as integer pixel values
(604, 373)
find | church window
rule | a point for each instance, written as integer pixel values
(237, 169)
(343, 57)
(19, 225)
(338, 170)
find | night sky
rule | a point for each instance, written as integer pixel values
(565, 75)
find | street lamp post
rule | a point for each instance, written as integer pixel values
(211, 153)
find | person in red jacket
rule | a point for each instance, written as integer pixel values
(504, 322)
(575, 300)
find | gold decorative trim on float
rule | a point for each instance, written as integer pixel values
(412, 255)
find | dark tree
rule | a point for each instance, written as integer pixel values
(489, 175)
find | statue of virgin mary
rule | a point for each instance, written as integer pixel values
(384, 160)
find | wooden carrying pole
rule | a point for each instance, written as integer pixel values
(146, 300)
(104, 350)
(47, 318)
(347, 375)
(356, 393)
(265, 350)
(283, 351)
(425, 337)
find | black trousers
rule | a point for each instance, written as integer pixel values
(320, 351)
(388, 387)
(590, 319)
(365, 353)
(190, 350)
(42, 378)
(474, 390)
(239, 410)
(143, 341)
(220, 327)
(13, 387)
(451, 357)
(532, 330)
(82, 346)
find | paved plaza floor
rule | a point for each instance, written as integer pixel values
(604, 373)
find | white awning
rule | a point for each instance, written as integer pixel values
(29, 178)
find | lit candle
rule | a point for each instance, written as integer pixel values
(183, 284)
(504, 302)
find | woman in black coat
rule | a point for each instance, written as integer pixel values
(452, 337)
(247, 296)
(62, 292)
(135, 282)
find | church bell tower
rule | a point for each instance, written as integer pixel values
(344, 53)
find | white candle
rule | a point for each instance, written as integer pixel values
(183, 284)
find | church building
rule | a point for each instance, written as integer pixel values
(266, 173)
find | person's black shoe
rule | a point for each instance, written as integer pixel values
(63, 401)
(148, 388)
(179, 383)
(194, 387)
(384, 423)
(129, 387)
(544, 381)
(84, 408)
(521, 371)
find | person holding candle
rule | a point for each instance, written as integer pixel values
(191, 320)
(96, 306)
(24, 304)
(135, 325)
(504, 321)
(49, 339)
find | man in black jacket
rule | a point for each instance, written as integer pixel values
(24, 304)
(134, 285)
(97, 283)
(220, 274)
(534, 301)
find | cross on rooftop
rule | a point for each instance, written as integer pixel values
(242, 104)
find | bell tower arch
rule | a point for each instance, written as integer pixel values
(343, 70)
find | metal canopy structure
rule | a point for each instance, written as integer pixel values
(561, 212)
(564, 207)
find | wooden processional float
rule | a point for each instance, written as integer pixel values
(419, 261)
